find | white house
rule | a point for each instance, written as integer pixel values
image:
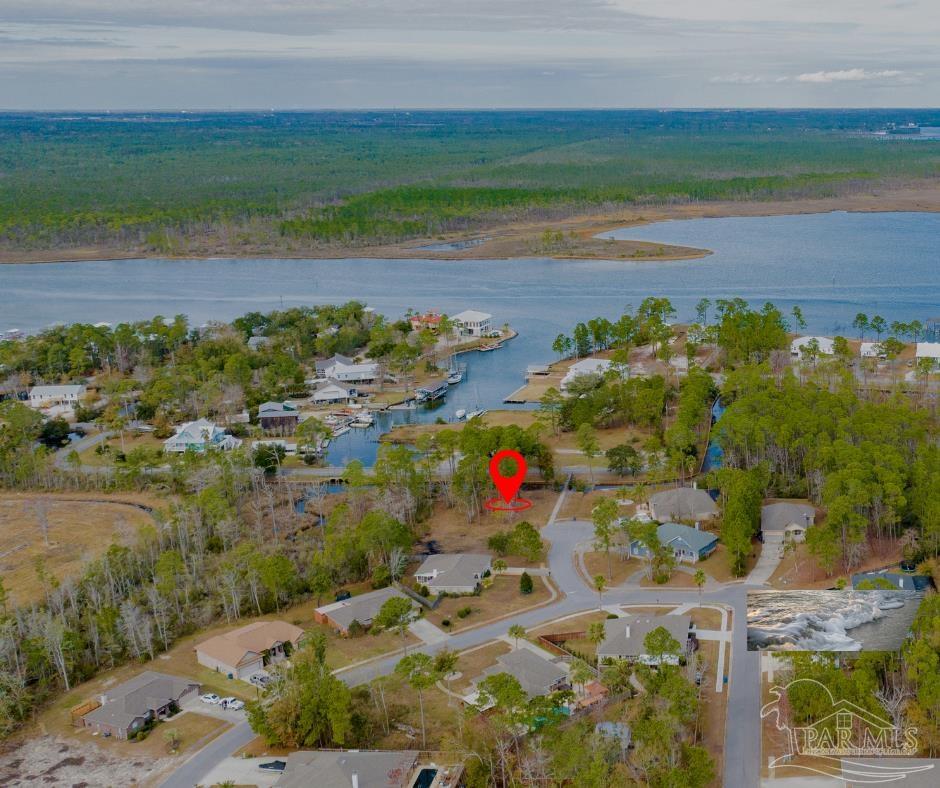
(199, 436)
(346, 370)
(586, 366)
(333, 391)
(929, 350)
(52, 396)
(472, 323)
(825, 345)
(872, 350)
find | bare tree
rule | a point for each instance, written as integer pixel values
(41, 512)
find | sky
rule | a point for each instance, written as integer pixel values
(346, 54)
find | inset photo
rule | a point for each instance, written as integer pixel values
(877, 620)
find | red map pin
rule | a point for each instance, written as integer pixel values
(508, 486)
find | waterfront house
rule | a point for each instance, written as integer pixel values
(128, 707)
(584, 368)
(872, 350)
(688, 545)
(471, 323)
(429, 320)
(279, 417)
(682, 504)
(454, 573)
(536, 674)
(788, 519)
(929, 350)
(60, 399)
(258, 342)
(362, 609)
(332, 391)
(349, 769)
(624, 638)
(245, 651)
(825, 346)
(346, 370)
(199, 436)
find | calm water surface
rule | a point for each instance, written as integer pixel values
(831, 265)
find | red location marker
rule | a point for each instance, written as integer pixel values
(508, 486)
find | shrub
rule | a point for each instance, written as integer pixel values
(355, 629)
(381, 577)
(525, 583)
(424, 591)
(445, 622)
(464, 612)
(500, 542)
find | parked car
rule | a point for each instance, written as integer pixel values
(342, 596)
(259, 679)
(232, 703)
(210, 697)
(273, 766)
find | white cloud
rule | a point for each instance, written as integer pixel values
(738, 79)
(848, 75)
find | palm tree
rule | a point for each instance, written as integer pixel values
(516, 631)
(700, 579)
(418, 670)
(600, 584)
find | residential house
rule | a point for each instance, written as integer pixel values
(826, 347)
(258, 342)
(896, 580)
(332, 391)
(57, 398)
(471, 323)
(346, 370)
(788, 519)
(199, 436)
(688, 545)
(929, 350)
(281, 417)
(454, 573)
(679, 504)
(429, 320)
(538, 675)
(126, 708)
(584, 368)
(872, 350)
(245, 651)
(362, 608)
(349, 769)
(624, 638)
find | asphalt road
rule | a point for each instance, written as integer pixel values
(742, 723)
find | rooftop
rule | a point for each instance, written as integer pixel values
(362, 608)
(232, 647)
(624, 636)
(134, 698)
(330, 769)
(777, 516)
(454, 569)
(535, 673)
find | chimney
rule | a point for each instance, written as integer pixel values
(628, 631)
(355, 780)
(694, 484)
(102, 699)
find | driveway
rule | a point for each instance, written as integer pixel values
(768, 561)
(214, 753)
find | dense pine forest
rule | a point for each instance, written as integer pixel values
(160, 183)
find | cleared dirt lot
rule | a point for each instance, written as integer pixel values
(80, 528)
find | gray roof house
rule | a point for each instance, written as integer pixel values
(453, 573)
(897, 580)
(624, 637)
(688, 544)
(331, 390)
(787, 518)
(362, 608)
(536, 674)
(128, 706)
(682, 503)
(348, 769)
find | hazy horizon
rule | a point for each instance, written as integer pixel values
(308, 55)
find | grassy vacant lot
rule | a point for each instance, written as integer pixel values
(454, 534)
(114, 445)
(500, 599)
(596, 564)
(80, 527)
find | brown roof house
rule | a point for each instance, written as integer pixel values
(279, 417)
(348, 769)
(362, 608)
(245, 651)
(129, 706)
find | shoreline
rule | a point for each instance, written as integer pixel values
(514, 242)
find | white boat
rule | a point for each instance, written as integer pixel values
(454, 378)
(476, 413)
(340, 431)
(460, 414)
(363, 419)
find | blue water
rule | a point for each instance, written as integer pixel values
(831, 265)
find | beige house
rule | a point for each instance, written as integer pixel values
(682, 504)
(246, 650)
(788, 519)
